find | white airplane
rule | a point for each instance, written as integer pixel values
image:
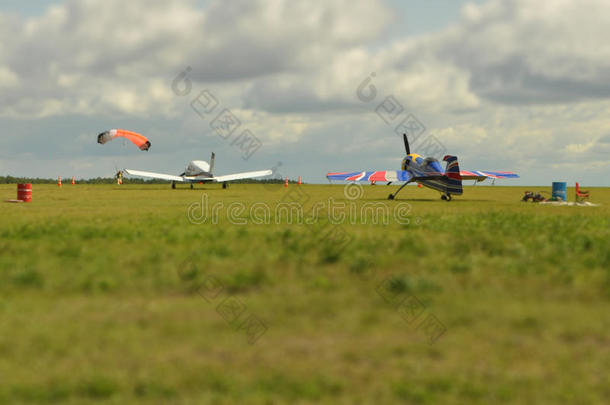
(199, 171)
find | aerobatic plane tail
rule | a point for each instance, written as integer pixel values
(453, 179)
(212, 158)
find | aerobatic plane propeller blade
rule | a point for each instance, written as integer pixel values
(404, 138)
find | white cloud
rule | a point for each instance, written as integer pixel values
(8, 78)
(302, 56)
(85, 50)
(579, 147)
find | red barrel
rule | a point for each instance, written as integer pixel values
(24, 192)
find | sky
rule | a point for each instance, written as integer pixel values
(306, 87)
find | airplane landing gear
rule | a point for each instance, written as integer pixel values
(446, 197)
(224, 184)
(192, 186)
(392, 196)
(173, 185)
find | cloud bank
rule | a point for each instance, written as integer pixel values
(530, 80)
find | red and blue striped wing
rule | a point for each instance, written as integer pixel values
(482, 174)
(380, 175)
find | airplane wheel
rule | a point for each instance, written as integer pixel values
(444, 197)
(191, 186)
(448, 197)
(391, 197)
(173, 185)
(224, 185)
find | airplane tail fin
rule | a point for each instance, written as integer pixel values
(453, 179)
(212, 163)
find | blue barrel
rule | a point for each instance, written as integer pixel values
(560, 190)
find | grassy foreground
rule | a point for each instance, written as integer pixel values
(110, 294)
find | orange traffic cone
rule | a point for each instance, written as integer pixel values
(299, 180)
(59, 181)
(286, 182)
(73, 180)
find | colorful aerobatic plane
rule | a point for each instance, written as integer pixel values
(424, 171)
(199, 171)
(137, 139)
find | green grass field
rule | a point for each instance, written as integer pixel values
(110, 294)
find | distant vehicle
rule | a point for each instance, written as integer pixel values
(199, 171)
(425, 171)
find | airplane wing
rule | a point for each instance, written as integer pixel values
(481, 175)
(153, 175)
(240, 176)
(219, 179)
(382, 176)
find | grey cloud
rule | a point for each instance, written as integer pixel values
(512, 52)
(514, 82)
(518, 52)
(515, 53)
(605, 139)
(270, 96)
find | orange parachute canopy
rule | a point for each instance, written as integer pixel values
(138, 139)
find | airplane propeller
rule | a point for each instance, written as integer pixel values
(404, 138)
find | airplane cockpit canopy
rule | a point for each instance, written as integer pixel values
(432, 163)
